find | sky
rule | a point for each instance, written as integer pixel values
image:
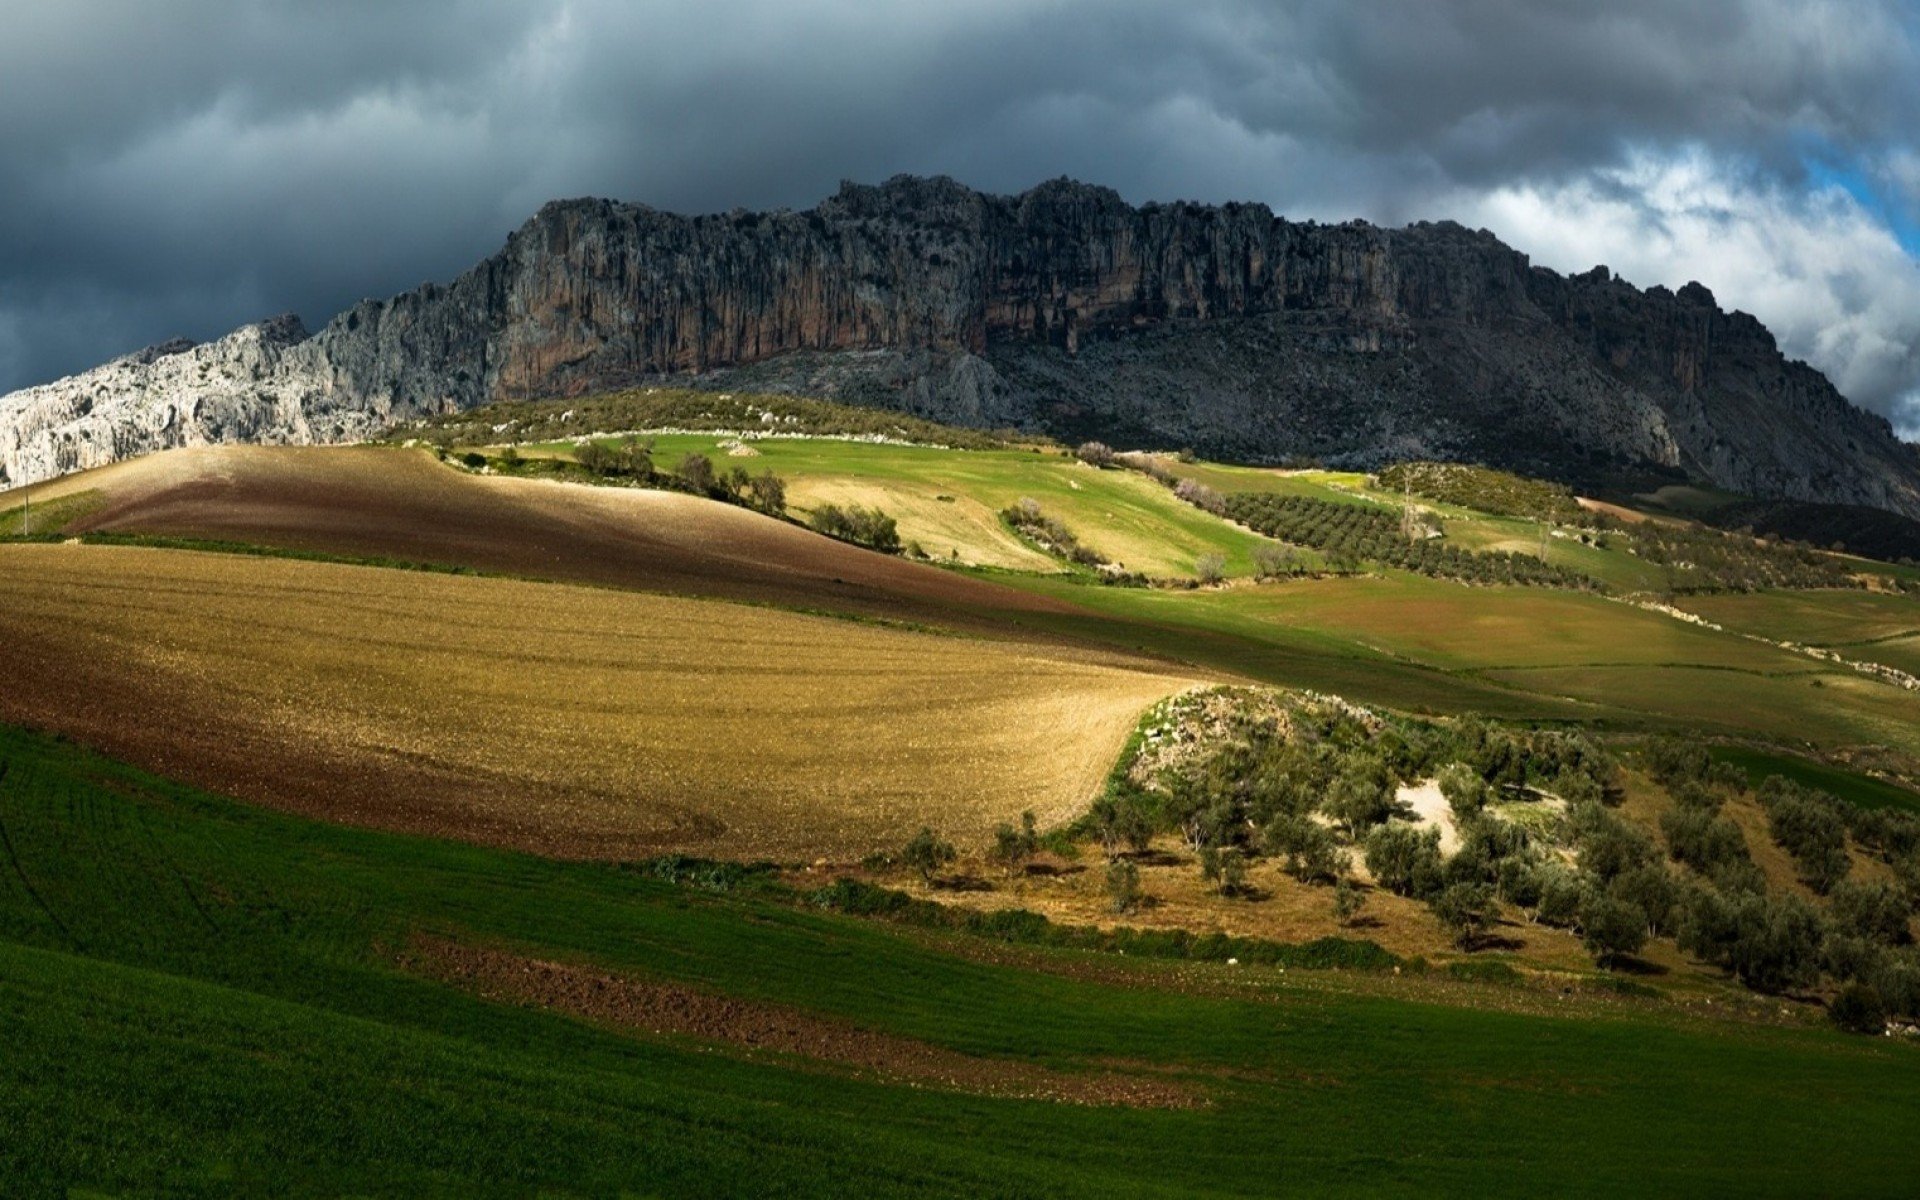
(179, 169)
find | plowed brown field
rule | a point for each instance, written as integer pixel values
(566, 720)
(381, 502)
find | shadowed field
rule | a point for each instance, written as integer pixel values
(401, 504)
(573, 721)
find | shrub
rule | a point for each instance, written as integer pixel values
(766, 492)
(696, 470)
(636, 456)
(1608, 845)
(1770, 943)
(475, 461)
(1210, 568)
(1348, 900)
(1271, 559)
(1654, 891)
(1200, 496)
(1122, 817)
(1560, 897)
(926, 853)
(1095, 454)
(1859, 1009)
(1702, 839)
(1014, 846)
(1362, 796)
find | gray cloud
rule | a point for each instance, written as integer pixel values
(183, 168)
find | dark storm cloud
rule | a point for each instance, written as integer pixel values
(182, 168)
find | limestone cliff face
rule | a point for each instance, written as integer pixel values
(1223, 328)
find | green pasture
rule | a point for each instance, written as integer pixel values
(1863, 790)
(201, 998)
(1822, 618)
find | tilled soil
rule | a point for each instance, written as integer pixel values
(582, 722)
(672, 1009)
(375, 502)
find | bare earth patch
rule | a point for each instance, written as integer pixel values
(672, 1009)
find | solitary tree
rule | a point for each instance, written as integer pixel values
(1210, 568)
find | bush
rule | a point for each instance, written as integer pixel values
(1859, 1009)
(1271, 559)
(1014, 846)
(766, 492)
(1655, 892)
(1362, 796)
(1608, 845)
(1122, 817)
(927, 853)
(1095, 454)
(1210, 568)
(1348, 900)
(1230, 871)
(1200, 496)
(1467, 911)
(1405, 859)
(696, 470)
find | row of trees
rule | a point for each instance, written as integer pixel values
(868, 527)
(632, 458)
(1351, 534)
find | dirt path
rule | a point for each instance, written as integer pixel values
(754, 1026)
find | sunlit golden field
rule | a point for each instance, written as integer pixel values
(569, 720)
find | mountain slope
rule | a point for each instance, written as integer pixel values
(1226, 328)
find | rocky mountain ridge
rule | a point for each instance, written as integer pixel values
(1223, 328)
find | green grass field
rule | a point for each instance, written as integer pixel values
(1855, 788)
(1427, 645)
(1823, 618)
(201, 999)
(1125, 516)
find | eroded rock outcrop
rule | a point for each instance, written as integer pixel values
(1223, 328)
